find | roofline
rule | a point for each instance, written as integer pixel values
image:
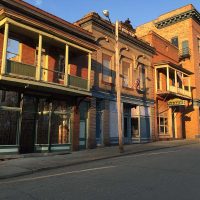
(107, 26)
(178, 67)
(47, 17)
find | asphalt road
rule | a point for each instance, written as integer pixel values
(170, 174)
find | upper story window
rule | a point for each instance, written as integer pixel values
(61, 66)
(106, 68)
(163, 124)
(142, 76)
(185, 47)
(13, 49)
(126, 71)
(174, 41)
(198, 44)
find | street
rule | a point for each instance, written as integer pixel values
(163, 174)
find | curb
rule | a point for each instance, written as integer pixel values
(29, 171)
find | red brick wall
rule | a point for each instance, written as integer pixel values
(28, 52)
(79, 66)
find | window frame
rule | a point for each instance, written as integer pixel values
(19, 50)
(164, 125)
(198, 44)
(143, 82)
(176, 44)
(129, 76)
(105, 69)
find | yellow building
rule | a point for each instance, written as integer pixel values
(181, 28)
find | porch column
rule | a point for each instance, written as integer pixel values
(89, 70)
(167, 78)
(182, 81)
(66, 65)
(189, 84)
(38, 74)
(5, 46)
(156, 81)
(176, 85)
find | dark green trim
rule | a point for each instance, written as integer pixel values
(194, 14)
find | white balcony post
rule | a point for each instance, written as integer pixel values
(38, 74)
(66, 64)
(176, 85)
(167, 78)
(5, 46)
(156, 80)
(89, 69)
(189, 84)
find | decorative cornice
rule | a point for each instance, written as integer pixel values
(103, 24)
(194, 14)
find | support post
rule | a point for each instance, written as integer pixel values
(176, 85)
(167, 78)
(66, 65)
(89, 70)
(5, 46)
(156, 80)
(38, 75)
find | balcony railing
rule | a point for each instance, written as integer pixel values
(78, 82)
(17, 68)
(47, 75)
(52, 76)
(179, 91)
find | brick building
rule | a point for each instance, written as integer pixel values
(137, 82)
(45, 73)
(176, 70)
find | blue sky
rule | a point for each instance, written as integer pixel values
(139, 11)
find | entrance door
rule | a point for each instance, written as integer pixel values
(99, 128)
(83, 125)
(173, 126)
(125, 129)
(28, 125)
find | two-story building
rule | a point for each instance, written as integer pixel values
(137, 82)
(45, 73)
(176, 71)
(173, 96)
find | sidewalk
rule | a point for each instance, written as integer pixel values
(32, 164)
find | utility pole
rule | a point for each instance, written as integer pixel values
(118, 87)
(118, 82)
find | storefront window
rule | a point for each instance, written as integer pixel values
(60, 123)
(60, 129)
(43, 122)
(8, 127)
(9, 98)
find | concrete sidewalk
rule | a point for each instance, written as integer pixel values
(28, 165)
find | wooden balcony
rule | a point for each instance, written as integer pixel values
(172, 80)
(28, 72)
(20, 69)
(77, 82)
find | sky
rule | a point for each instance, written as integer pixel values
(138, 11)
